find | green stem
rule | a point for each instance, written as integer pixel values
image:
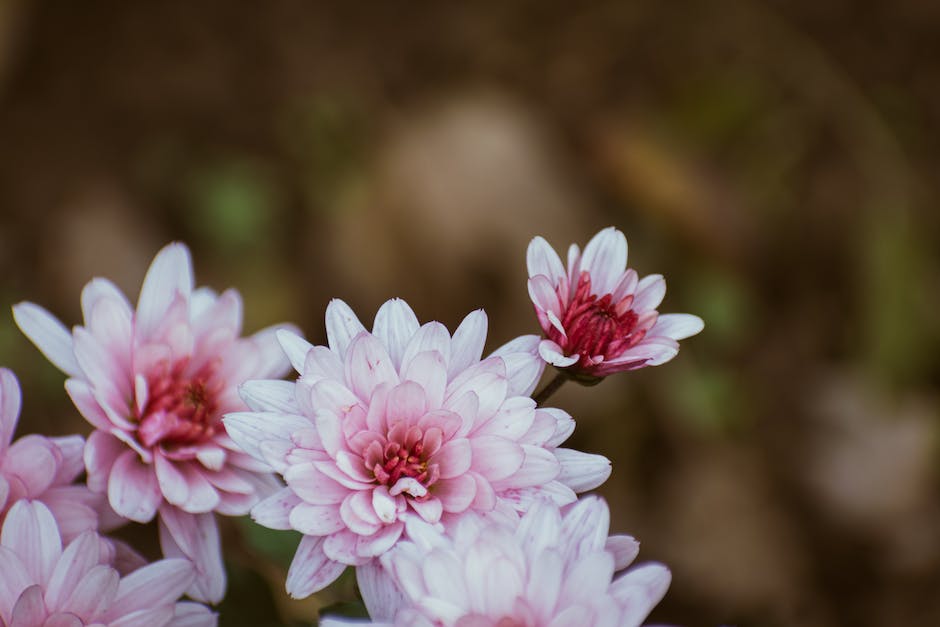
(550, 389)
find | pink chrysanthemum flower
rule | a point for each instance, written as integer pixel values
(549, 569)
(154, 383)
(403, 421)
(40, 468)
(598, 316)
(46, 585)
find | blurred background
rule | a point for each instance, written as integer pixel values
(777, 161)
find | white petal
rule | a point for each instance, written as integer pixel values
(342, 326)
(170, 274)
(552, 353)
(295, 347)
(605, 257)
(269, 395)
(677, 326)
(395, 323)
(541, 258)
(582, 471)
(49, 335)
(467, 343)
(649, 293)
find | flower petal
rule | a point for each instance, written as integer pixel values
(49, 335)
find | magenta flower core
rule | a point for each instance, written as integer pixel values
(155, 381)
(404, 422)
(181, 409)
(597, 315)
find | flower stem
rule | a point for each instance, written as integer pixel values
(550, 389)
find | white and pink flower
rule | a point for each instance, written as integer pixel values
(155, 382)
(551, 568)
(598, 316)
(46, 584)
(44, 469)
(404, 421)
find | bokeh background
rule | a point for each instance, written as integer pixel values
(778, 161)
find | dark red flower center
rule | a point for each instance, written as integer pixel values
(181, 409)
(404, 454)
(597, 326)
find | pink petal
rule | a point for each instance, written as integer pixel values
(170, 274)
(311, 571)
(496, 458)
(467, 343)
(543, 295)
(605, 258)
(429, 509)
(432, 336)
(187, 614)
(395, 324)
(456, 494)
(102, 369)
(295, 347)
(649, 293)
(10, 400)
(271, 395)
(582, 471)
(356, 512)
(159, 583)
(342, 326)
(14, 581)
(49, 335)
(132, 488)
(379, 542)
(195, 537)
(368, 365)
(97, 289)
(677, 326)
(101, 451)
(112, 325)
(454, 457)
(384, 504)
(553, 354)
(93, 593)
(322, 362)
(379, 592)
(524, 365)
(274, 511)
(29, 609)
(406, 401)
(639, 590)
(313, 486)
(623, 548)
(538, 468)
(512, 420)
(316, 520)
(429, 371)
(32, 460)
(542, 259)
(31, 532)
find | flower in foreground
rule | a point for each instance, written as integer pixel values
(405, 421)
(45, 584)
(598, 316)
(41, 468)
(154, 382)
(552, 568)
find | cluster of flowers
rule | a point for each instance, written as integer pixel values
(401, 451)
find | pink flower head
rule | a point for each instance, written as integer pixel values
(551, 568)
(598, 317)
(154, 382)
(44, 584)
(405, 421)
(43, 469)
